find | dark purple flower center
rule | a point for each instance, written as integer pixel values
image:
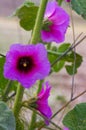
(25, 64)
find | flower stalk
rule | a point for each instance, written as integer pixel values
(7, 90)
(38, 24)
(18, 100)
(60, 2)
(36, 38)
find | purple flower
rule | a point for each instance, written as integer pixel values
(26, 63)
(56, 21)
(42, 102)
(66, 128)
(67, 0)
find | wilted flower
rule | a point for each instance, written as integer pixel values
(42, 102)
(56, 21)
(26, 63)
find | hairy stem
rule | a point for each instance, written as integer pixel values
(36, 38)
(18, 100)
(59, 2)
(32, 123)
(40, 86)
(7, 90)
(38, 24)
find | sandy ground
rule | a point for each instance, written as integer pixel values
(10, 32)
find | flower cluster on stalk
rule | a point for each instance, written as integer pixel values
(29, 63)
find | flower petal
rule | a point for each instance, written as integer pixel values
(42, 102)
(40, 65)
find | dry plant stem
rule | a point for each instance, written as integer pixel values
(48, 128)
(71, 100)
(65, 53)
(77, 38)
(55, 63)
(11, 96)
(73, 31)
(58, 53)
(2, 55)
(46, 119)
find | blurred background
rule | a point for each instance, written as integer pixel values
(11, 32)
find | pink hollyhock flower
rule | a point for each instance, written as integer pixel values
(66, 128)
(26, 63)
(56, 21)
(42, 102)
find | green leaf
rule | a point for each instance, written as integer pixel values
(27, 15)
(63, 47)
(69, 69)
(59, 65)
(67, 60)
(80, 7)
(7, 120)
(76, 118)
(28, 3)
(51, 56)
(3, 81)
(70, 58)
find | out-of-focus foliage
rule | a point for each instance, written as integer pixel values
(80, 7)
(76, 118)
(3, 81)
(7, 120)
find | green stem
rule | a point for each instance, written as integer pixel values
(60, 2)
(54, 53)
(38, 24)
(40, 86)
(33, 119)
(32, 123)
(18, 100)
(7, 90)
(48, 46)
(36, 38)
